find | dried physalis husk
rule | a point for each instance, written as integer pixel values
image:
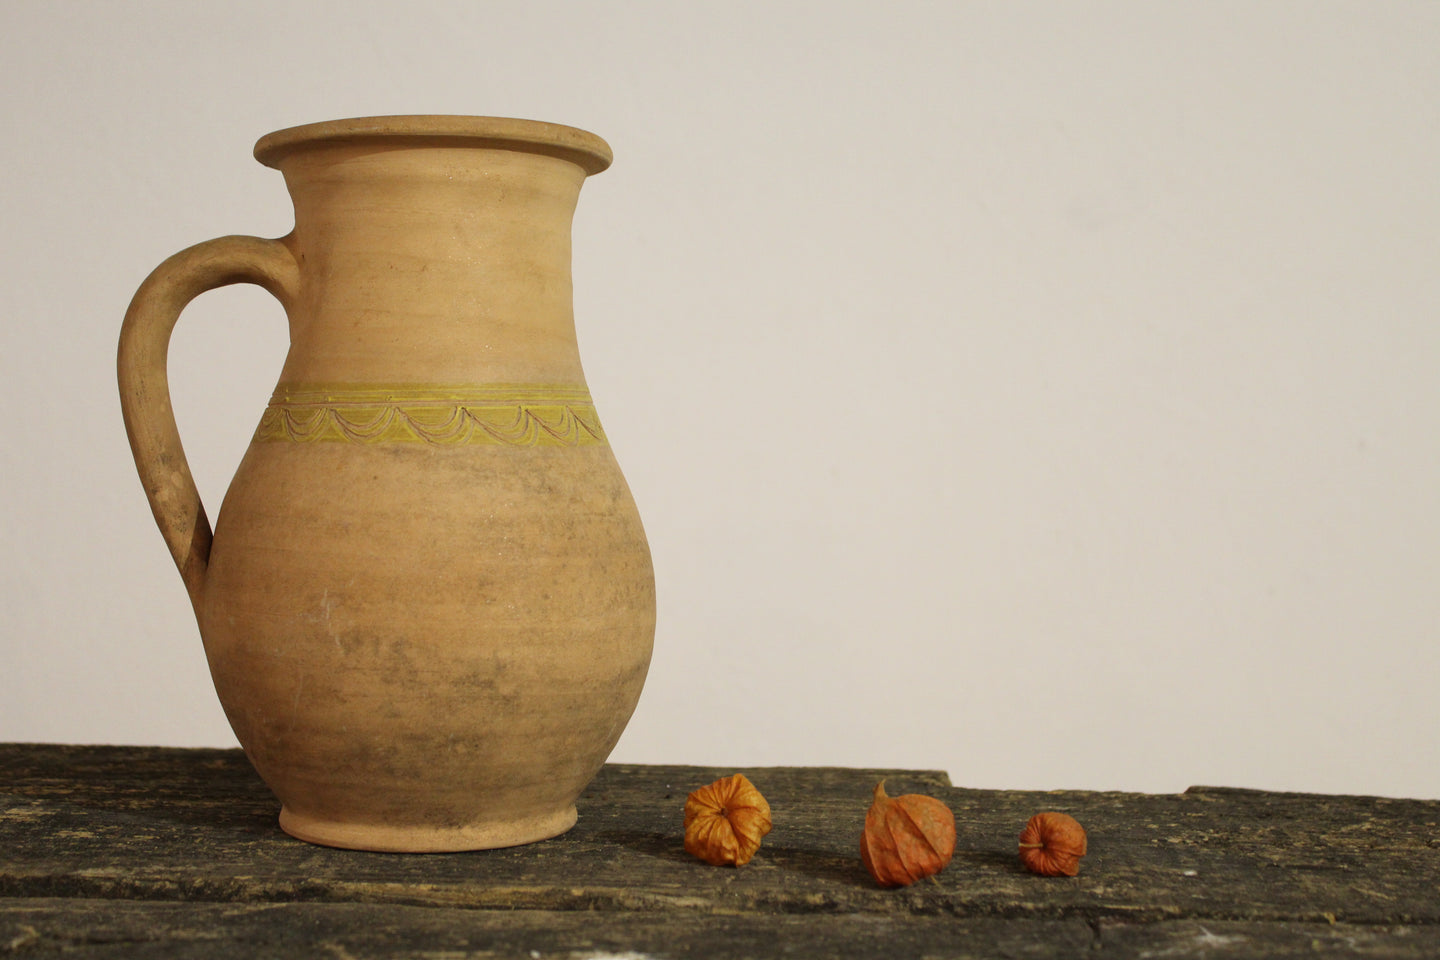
(1052, 844)
(906, 838)
(725, 821)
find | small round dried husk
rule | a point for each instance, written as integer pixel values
(725, 821)
(1052, 844)
(906, 838)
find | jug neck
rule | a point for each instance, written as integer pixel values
(431, 259)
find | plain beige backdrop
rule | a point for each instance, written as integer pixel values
(1044, 392)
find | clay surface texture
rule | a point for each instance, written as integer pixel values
(428, 603)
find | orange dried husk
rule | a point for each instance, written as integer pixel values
(906, 838)
(725, 821)
(1052, 844)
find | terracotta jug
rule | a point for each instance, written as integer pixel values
(428, 603)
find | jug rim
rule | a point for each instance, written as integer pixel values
(581, 147)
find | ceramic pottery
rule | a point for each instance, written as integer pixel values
(428, 603)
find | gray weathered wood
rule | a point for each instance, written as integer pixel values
(122, 850)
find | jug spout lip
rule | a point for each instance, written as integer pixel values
(587, 150)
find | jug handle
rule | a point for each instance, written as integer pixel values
(145, 384)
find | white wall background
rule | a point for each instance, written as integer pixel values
(1046, 392)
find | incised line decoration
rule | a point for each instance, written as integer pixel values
(522, 414)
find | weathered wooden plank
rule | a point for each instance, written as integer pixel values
(99, 928)
(1214, 853)
(1214, 939)
(171, 826)
(95, 929)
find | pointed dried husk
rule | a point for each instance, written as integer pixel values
(906, 838)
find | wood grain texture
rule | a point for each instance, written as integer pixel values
(114, 851)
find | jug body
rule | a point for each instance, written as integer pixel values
(428, 604)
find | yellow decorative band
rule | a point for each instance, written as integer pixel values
(521, 414)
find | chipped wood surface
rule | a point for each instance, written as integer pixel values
(123, 851)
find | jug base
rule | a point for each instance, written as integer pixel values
(391, 838)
